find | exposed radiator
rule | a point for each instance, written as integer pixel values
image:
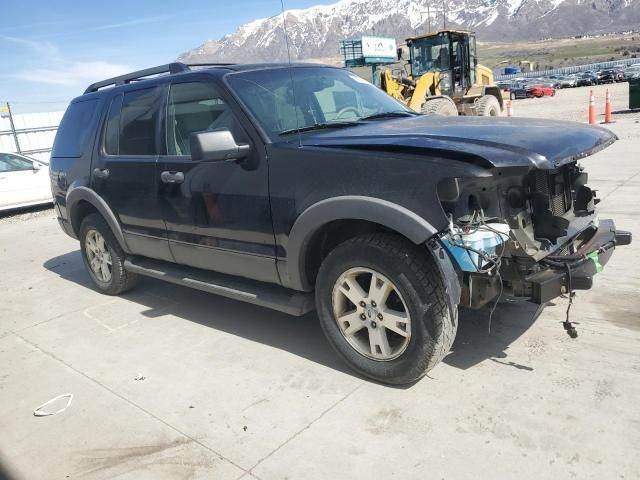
(555, 186)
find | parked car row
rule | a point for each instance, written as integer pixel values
(592, 77)
(547, 86)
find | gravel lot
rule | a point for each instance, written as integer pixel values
(26, 214)
(171, 383)
(573, 103)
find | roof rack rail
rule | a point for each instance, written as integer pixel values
(210, 64)
(170, 68)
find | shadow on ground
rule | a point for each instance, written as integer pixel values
(302, 336)
(474, 343)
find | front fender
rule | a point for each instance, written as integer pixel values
(78, 194)
(375, 210)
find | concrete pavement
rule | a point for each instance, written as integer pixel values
(174, 383)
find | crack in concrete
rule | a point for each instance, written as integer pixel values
(618, 187)
(113, 392)
(319, 417)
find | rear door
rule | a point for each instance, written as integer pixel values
(217, 213)
(124, 170)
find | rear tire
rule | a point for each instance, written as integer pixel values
(440, 106)
(488, 106)
(420, 327)
(103, 257)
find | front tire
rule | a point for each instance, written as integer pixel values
(103, 257)
(440, 106)
(378, 278)
(488, 106)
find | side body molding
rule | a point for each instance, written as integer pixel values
(78, 194)
(383, 212)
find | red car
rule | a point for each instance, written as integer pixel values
(541, 91)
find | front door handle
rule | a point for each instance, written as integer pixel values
(172, 177)
(101, 172)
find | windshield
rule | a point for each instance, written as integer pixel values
(317, 96)
(431, 54)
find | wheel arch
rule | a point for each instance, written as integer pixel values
(81, 201)
(496, 92)
(363, 214)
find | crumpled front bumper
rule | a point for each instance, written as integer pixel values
(576, 271)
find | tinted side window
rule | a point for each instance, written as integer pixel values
(196, 107)
(74, 129)
(112, 131)
(138, 122)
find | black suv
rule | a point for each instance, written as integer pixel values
(297, 187)
(611, 76)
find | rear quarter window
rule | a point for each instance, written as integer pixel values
(138, 121)
(75, 129)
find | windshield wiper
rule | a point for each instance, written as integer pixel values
(318, 126)
(397, 113)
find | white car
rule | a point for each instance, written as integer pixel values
(23, 182)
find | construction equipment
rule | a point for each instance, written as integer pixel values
(444, 77)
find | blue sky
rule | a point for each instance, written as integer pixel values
(52, 49)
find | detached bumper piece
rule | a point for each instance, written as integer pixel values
(584, 264)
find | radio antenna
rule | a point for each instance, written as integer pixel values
(293, 85)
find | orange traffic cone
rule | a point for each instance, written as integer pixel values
(608, 118)
(509, 108)
(592, 108)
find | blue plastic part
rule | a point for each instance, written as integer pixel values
(485, 241)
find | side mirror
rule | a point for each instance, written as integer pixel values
(216, 146)
(36, 166)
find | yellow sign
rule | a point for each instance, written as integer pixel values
(4, 109)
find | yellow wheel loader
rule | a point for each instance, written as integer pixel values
(444, 78)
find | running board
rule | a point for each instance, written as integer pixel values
(251, 291)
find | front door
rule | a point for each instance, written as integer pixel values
(124, 173)
(217, 213)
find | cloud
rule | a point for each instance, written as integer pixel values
(73, 73)
(41, 47)
(30, 26)
(132, 23)
(54, 69)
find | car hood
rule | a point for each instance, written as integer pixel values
(484, 141)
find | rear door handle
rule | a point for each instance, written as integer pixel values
(172, 177)
(101, 172)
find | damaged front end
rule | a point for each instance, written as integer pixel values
(526, 232)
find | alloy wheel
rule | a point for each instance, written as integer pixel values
(371, 314)
(98, 256)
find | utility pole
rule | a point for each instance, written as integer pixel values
(428, 12)
(13, 129)
(444, 18)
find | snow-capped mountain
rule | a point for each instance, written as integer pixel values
(315, 32)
